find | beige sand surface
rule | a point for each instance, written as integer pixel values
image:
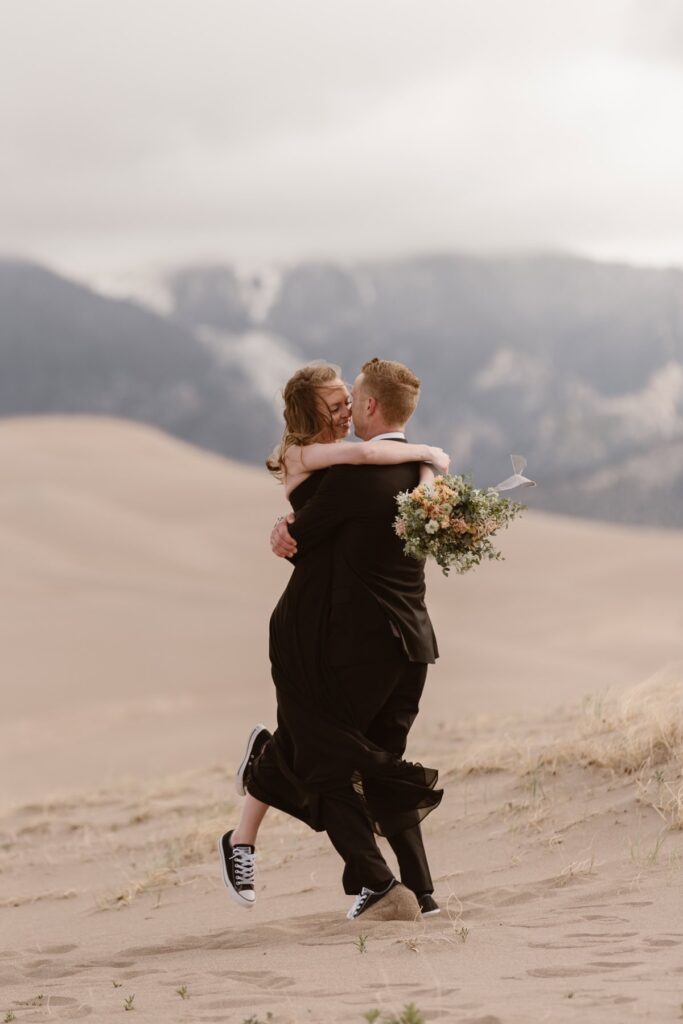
(136, 588)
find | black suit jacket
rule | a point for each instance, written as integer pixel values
(378, 594)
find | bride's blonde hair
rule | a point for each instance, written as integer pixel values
(306, 418)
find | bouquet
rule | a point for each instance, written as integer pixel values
(453, 522)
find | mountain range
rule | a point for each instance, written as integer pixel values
(575, 364)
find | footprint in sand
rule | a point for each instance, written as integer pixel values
(262, 979)
(556, 945)
(63, 1007)
(597, 967)
(229, 1003)
(488, 1019)
(220, 1018)
(47, 969)
(612, 965)
(603, 917)
(422, 995)
(79, 1011)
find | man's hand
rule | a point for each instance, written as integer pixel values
(281, 543)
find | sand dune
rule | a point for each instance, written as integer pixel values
(138, 584)
(134, 602)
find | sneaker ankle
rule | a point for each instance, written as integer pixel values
(234, 841)
(367, 897)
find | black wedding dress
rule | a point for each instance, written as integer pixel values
(317, 746)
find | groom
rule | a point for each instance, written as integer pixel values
(379, 628)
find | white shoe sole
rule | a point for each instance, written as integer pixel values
(248, 904)
(431, 913)
(239, 774)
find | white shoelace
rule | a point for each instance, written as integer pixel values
(243, 862)
(361, 900)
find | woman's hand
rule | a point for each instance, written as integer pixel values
(439, 459)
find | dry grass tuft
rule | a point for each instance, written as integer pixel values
(19, 901)
(633, 733)
(415, 941)
(642, 728)
(577, 869)
(662, 789)
(195, 846)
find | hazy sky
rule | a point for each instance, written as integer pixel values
(144, 132)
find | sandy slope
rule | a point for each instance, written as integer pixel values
(134, 600)
(561, 891)
(138, 583)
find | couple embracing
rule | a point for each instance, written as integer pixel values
(350, 641)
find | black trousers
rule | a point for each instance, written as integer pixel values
(340, 811)
(345, 817)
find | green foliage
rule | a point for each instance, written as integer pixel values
(117, 984)
(362, 943)
(452, 522)
(182, 992)
(408, 1015)
(128, 1003)
(9, 1016)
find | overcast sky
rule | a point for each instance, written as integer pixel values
(138, 133)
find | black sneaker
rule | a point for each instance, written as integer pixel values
(258, 738)
(428, 905)
(238, 869)
(367, 898)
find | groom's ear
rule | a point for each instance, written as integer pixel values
(372, 405)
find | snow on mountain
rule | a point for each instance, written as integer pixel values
(655, 411)
(648, 472)
(259, 287)
(146, 288)
(265, 359)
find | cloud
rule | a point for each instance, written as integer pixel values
(656, 30)
(164, 130)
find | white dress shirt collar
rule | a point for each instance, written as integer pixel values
(394, 435)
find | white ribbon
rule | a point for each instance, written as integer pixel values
(516, 480)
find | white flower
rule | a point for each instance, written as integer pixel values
(432, 526)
